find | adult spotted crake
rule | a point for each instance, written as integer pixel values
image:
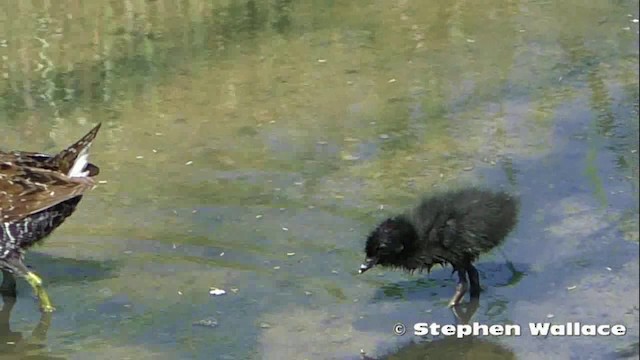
(37, 193)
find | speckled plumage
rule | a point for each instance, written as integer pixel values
(37, 193)
(453, 227)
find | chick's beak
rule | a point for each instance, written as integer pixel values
(367, 264)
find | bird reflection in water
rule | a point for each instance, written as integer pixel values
(12, 342)
(464, 312)
(450, 347)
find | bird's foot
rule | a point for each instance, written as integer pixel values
(47, 307)
(461, 289)
(45, 302)
(36, 283)
(463, 317)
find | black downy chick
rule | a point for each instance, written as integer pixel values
(453, 227)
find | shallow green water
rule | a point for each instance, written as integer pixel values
(251, 146)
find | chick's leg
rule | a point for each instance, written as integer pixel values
(461, 288)
(474, 280)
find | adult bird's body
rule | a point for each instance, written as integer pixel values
(453, 227)
(37, 193)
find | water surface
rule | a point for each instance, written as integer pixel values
(250, 146)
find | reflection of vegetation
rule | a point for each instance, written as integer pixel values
(511, 171)
(630, 351)
(592, 173)
(335, 291)
(629, 225)
(399, 290)
(516, 275)
(496, 308)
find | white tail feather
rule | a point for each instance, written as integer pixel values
(81, 161)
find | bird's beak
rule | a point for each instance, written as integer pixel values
(367, 264)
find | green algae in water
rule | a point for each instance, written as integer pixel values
(335, 291)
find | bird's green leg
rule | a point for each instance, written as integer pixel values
(18, 268)
(36, 283)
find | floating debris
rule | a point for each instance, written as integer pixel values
(102, 181)
(468, 168)
(308, 293)
(322, 143)
(276, 268)
(234, 290)
(189, 162)
(206, 322)
(285, 229)
(179, 292)
(383, 136)
(139, 157)
(349, 157)
(322, 61)
(391, 81)
(258, 216)
(265, 325)
(154, 150)
(550, 316)
(290, 253)
(571, 287)
(608, 268)
(222, 253)
(334, 271)
(216, 292)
